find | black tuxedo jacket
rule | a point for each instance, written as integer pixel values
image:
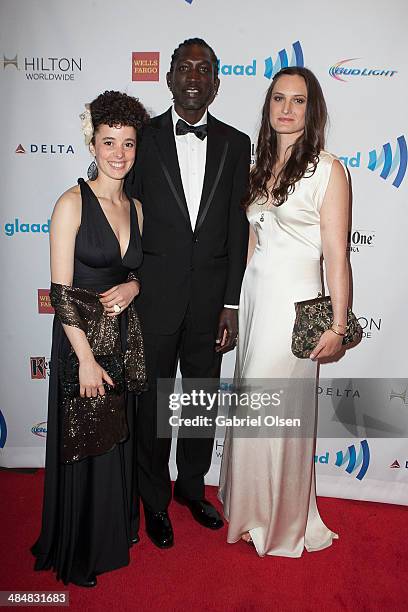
(201, 267)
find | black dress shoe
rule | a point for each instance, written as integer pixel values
(135, 539)
(159, 529)
(203, 512)
(85, 583)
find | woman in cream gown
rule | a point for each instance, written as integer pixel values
(267, 484)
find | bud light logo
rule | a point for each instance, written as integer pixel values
(353, 461)
(337, 71)
(3, 430)
(282, 61)
(40, 429)
(389, 162)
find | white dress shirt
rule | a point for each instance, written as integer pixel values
(192, 154)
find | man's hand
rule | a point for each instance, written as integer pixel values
(227, 330)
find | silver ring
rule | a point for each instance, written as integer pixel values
(117, 308)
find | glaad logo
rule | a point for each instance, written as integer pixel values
(271, 68)
(339, 69)
(388, 162)
(24, 228)
(237, 69)
(46, 68)
(40, 429)
(353, 461)
(282, 61)
(3, 430)
(45, 148)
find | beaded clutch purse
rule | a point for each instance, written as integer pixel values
(313, 317)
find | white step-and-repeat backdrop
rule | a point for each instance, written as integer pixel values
(56, 56)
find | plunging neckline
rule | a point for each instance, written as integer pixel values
(109, 224)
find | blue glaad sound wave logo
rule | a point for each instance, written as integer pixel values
(338, 70)
(353, 461)
(390, 162)
(282, 61)
(3, 430)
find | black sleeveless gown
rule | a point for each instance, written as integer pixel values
(90, 508)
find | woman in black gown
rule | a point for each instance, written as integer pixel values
(90, 515)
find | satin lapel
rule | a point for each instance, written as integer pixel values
(217, 148)
(167, 153)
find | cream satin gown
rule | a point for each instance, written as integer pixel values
(267, 485)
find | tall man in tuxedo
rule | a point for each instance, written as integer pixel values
(191, 174)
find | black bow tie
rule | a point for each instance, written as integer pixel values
(183, 128)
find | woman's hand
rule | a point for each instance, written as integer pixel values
(329, 345)
(91, 378)
(120, 296)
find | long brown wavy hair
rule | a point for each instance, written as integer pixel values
(305, 151)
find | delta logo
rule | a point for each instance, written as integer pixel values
(40, 429)
(397, 465)
(44, 302)
(45, 68)
(145, 66)
(341, 69)
(60, 149)
(283, 59)
(390, 164)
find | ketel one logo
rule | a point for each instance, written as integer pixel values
(390, 163)
(353, 461)
(3, 430)
(282, 61)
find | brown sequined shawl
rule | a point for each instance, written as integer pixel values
(92, 426)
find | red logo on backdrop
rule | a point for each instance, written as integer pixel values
(145, 65)
(44, 302)
(20, 149)
(38, 367)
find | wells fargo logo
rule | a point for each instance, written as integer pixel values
(145, 65)
(44, 302)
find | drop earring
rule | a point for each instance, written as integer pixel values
(92, 171)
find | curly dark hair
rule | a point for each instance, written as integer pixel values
(189, 42)
(305, 151)
(116, 108)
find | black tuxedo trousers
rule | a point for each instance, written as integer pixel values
(187, 276)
